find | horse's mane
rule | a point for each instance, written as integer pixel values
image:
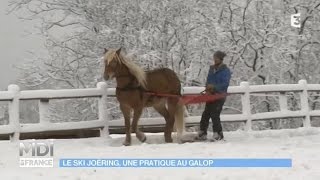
(134, 69)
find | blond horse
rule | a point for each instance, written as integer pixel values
(133, 93)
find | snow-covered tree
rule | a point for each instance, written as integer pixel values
(261, 46)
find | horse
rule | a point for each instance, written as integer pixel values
(137, 89)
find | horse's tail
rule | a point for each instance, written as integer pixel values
(179, 120)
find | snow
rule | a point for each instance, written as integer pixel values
(41, 127)
(313, 87)
(61, 93)
(302, 145)
(6, 129)
(276, 88)
(188, 120)
(6, 96)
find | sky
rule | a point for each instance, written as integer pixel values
(17, 39)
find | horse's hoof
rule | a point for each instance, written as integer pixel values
(144, 139)
(126, 143)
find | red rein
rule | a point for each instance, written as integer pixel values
(194, 98)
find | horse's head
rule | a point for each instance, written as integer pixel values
(111, 62)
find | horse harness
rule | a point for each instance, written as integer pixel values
(131, 87)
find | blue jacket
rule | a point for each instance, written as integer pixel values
(219, 78)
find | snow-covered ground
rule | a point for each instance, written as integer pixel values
(302, 145)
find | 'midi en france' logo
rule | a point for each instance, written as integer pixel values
(36, 154)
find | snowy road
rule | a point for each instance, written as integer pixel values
(302, 145)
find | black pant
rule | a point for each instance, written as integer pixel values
(212, 110)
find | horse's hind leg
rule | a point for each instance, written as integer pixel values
(172, 108)
(126, 114)
(136, 116)
(162, 110)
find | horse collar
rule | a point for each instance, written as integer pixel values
(130, 86)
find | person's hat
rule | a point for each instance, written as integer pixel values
(220, 54)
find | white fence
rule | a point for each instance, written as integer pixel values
(14, 96)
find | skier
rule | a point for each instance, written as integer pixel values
(217, 82)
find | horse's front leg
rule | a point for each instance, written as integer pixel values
(136, 116)
(126, 111)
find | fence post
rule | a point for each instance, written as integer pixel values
(14, 119)
(103, 109)
(283, 102)
(246, 107)
(305, 103)
(44, 112)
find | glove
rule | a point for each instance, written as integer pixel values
(209, 88)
